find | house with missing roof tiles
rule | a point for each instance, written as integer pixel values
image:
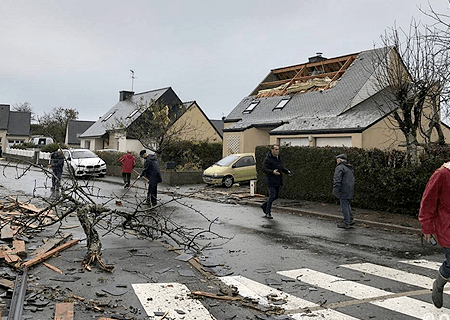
(14, 127)
(324, 102)
(103, 134)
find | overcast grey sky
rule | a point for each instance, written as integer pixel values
(78, 54)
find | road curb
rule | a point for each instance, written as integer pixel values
(293, 210)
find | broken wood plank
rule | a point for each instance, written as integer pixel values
(11, 257)
(19, 248)
(7, 283)
(49, 244)
(48, 254)
(64, 311)
(215, 296)
(7, 232)
(48, 265)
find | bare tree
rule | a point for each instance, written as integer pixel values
(153, 126)
(24, 107)
(99, 212)
(412, 72)
(54, 124)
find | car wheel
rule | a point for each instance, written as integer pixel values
(228, 181)
(101, 175)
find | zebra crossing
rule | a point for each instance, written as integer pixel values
(351, 292)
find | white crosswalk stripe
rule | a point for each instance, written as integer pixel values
(260, 292)
(170, 298)
(424, 263)
(408, 306)
(172, 301)
(393, 274)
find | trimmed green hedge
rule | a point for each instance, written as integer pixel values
(385, 180)
(199, 154)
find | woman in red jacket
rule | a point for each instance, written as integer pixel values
(434, 216)
(128, 163)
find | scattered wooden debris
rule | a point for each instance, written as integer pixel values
(64, 311)
(213, 295)
(48, 254)
(48, 265)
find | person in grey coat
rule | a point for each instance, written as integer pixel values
(343, 188)
(153, 173)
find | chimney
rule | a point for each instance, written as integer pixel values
(317, 58)
(124, 95)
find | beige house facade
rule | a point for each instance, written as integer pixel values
(325, 102)
(110, 130)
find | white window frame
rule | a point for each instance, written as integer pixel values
(251, 107)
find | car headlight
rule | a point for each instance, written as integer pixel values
(215, 175)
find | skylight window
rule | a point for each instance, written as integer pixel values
(251, 107)
(133, 113)
(281, 104)
(108, 116)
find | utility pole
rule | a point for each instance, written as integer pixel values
(132, 79)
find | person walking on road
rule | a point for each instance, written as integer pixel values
(343, 188)
(57, 163)
(128, 162)
(273, 169)
(434, 216)
(153, 173)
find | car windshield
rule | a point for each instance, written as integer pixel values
(81, 154)
(225, 162)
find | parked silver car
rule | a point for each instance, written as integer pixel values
(83, 162)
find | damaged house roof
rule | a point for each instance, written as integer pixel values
(323, 95)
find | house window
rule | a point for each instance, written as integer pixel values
(87, 144)
(251, 106)
(133, 113)
(108, 116)
(281, 104)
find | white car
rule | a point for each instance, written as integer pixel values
(83, 162)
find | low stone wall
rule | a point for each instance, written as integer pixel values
(169, 177)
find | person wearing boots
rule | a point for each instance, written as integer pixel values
(343, 188)
(434, 216)
(153, 174)
(273, 169)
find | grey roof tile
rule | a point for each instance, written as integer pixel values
(19, 123)
(121, 111)
(326, 104)
(75, 128)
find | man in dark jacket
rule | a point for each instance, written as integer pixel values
(153, 173)
(343, 188)
(57, 162)
(273, 169)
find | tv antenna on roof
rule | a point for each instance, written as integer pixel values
(132, 79)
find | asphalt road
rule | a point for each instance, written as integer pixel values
(293, 262)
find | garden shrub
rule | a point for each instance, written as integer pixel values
(385, 180)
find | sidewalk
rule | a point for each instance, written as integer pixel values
(241, 194)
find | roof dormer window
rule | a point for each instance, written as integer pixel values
(281, 104)
(251, 106)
